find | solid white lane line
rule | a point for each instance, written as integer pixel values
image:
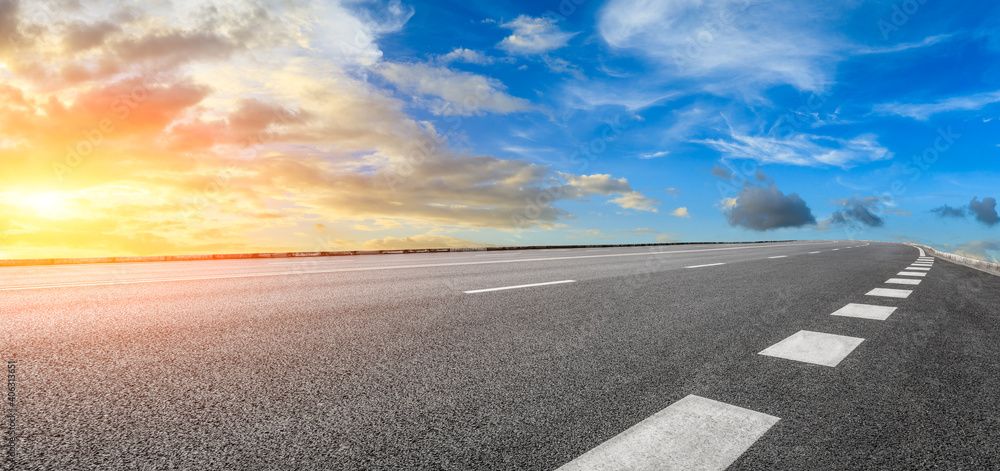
(814, 347)
(921, 251)
(693, 433)
(518, 286)
(397, 267)
(902, 281)
(313, 260)
(911, 273)
(889, 292)
(779, 256)
(706, 265)
(865, 311)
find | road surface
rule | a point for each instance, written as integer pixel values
(758, 356)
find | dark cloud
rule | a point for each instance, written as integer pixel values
(762, 177)
(985, 210)
(946, 211)
(721, 172)
(255, 116)
(858, 211)
(764, 208)
(81, 36)
(9, 24)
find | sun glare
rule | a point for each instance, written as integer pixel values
(46, 204)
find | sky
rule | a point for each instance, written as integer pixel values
(187, 127)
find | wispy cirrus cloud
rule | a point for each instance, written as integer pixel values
(923, 111)
(926, 42)
(801, 149)
(765, 44)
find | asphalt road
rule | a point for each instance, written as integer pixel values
(414, 361)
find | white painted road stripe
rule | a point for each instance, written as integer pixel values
(708, 265)
(392, 267)
(911, 273)
(865, 311)
(911, 267)
(921, 251)
(779, 256)
(903, 281)
(889, 292)
(693, 433)
(813, 252)
(519, 286)
(814, 347)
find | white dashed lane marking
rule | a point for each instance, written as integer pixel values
(903, 281)
(707, 265)
(911, 273)
(918, 268)
(693, 433)
(519, 286)
(865, 311)
(890, 292)
(813, 252)
(779, 256)
(814, 347)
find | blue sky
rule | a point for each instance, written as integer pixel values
(277, 125)
(839, 104)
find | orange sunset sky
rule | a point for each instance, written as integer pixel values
(197, 129)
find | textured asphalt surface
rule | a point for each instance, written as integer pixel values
(382, 362)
